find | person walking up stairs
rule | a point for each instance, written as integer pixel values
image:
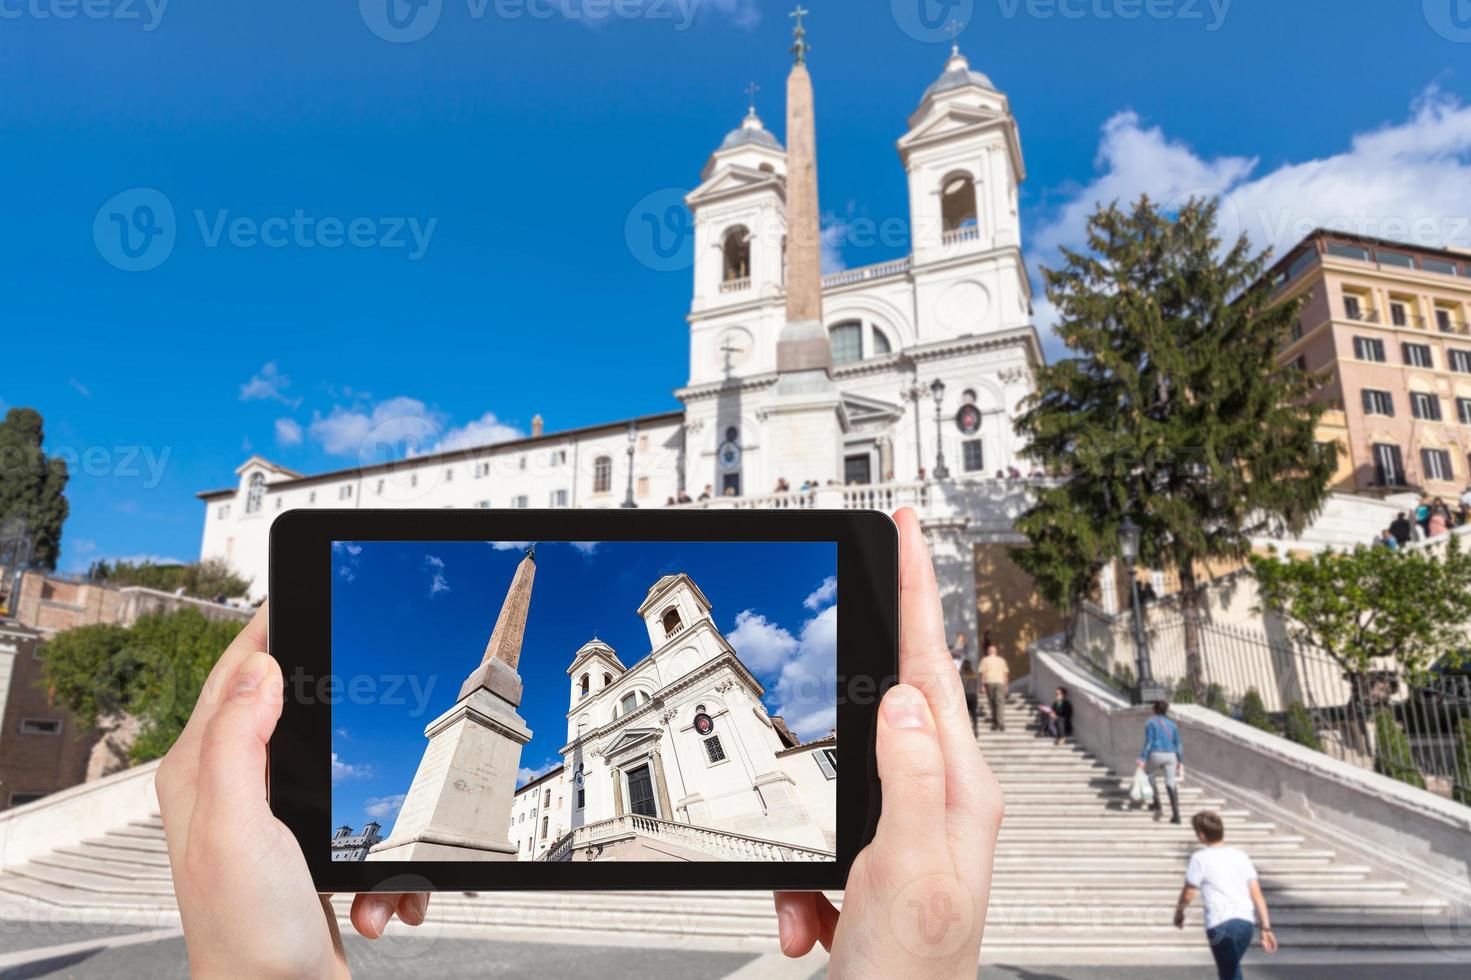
(995, 676)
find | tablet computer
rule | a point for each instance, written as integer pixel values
(485, 700)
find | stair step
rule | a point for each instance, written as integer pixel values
(90, 882)
(116, 869)
(130, 858)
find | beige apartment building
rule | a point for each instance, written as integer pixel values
(1386, 327)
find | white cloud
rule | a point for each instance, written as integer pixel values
(742, 13)
(588, 548)
(484, 431)
(526, 774)
(437, 582)
(342, 770)
(1408, 181)
(762, 645)
(268, 384)
(383, 807)
(509, 545)
(830, 246)
(288, 432)
(823, 594)
(347, 546)
(806, 691)
(79, 388)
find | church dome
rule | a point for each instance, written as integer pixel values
(750, 132)
(958, 74)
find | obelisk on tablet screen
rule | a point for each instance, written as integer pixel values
(458, 807)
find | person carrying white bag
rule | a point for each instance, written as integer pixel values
(1162, 753)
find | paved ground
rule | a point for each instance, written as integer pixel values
(96, 952)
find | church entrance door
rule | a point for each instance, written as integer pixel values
(641, 792)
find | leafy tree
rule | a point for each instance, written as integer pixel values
(31, 486)
(1254, 711)
(1461, 788)
(1172, 409)
(1300, 728)
(1392, 755)
(1364, 606)
(154, 670)
(1215, 699)
(203, 580)
(1184, 692)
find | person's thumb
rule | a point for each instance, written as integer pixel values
(912, 771)
(232, 754)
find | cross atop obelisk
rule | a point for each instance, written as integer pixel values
(801, 48)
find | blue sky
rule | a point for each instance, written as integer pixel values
(410, 621)
(477, 184)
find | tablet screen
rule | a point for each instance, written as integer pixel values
(564, 701)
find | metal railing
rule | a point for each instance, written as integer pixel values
(1414, 730)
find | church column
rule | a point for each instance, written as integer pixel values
(661, 786)
(617, 790)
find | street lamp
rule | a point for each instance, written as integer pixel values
(937, 388)
(1146, 690)
(632, 437)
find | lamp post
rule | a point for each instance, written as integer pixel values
(632, 437)
(1146, 690)
(937, 388)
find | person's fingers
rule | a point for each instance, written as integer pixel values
(413, 907)
(798, 925)
(827, 917)
(371, 912)
(912, 771)
(232, 751)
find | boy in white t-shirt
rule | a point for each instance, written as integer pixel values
(1226, 880)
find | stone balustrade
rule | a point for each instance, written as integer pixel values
(723, 845)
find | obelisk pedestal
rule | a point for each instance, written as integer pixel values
(458, 807)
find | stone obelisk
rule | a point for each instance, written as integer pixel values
(804, 428)
(458, 807)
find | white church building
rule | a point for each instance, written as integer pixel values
(676, 758)
(930, 355)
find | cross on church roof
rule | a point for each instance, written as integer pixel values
(751, 91)
(801, 48)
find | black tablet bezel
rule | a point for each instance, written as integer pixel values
(300, 639)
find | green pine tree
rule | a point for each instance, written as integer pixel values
(1254, 711)
(1392, 756)
(31, 489)
(1172, 409)
(1461, 790)
(1300, 728)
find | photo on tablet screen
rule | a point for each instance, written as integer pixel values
(584, 701)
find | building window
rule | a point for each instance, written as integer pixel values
(40, 726)
(548, 800)
(1389, 467)
(255, 494)
(521, 501)
(1369, 349)
(559, 457)
(958, 202)
(1378, 402)
(19, 798)
(379, 488)
(311, 498)
(602, 474)
(1459, 360)
(581, 789)
(559, 498)
(1424, 406)
(1418, 355)
(643, 486)
(1398, 315)
(628, 704)
(1352, 308)
(544, 827)
(223, 512)
(344, 492)
(1443, 320)
(482, 470)
(449, 475)
(881, 343)
(858, 470)
(827, 761)
(1437, 464)
(278, 502)
(847, 342)
(972, 458)
(483, 505)
(641, 793)
(737, 255)
(1348, 251)
(585, 685)
(671, 622)
(714, 751)
(1463, 410)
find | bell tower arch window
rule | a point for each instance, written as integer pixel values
(736, 247)
(958, 209)
(671, 621)
(255, 493)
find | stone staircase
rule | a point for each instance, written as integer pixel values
(1078, 870)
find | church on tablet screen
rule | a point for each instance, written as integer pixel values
(670, 756)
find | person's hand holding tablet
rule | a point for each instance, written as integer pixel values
(915, 902)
